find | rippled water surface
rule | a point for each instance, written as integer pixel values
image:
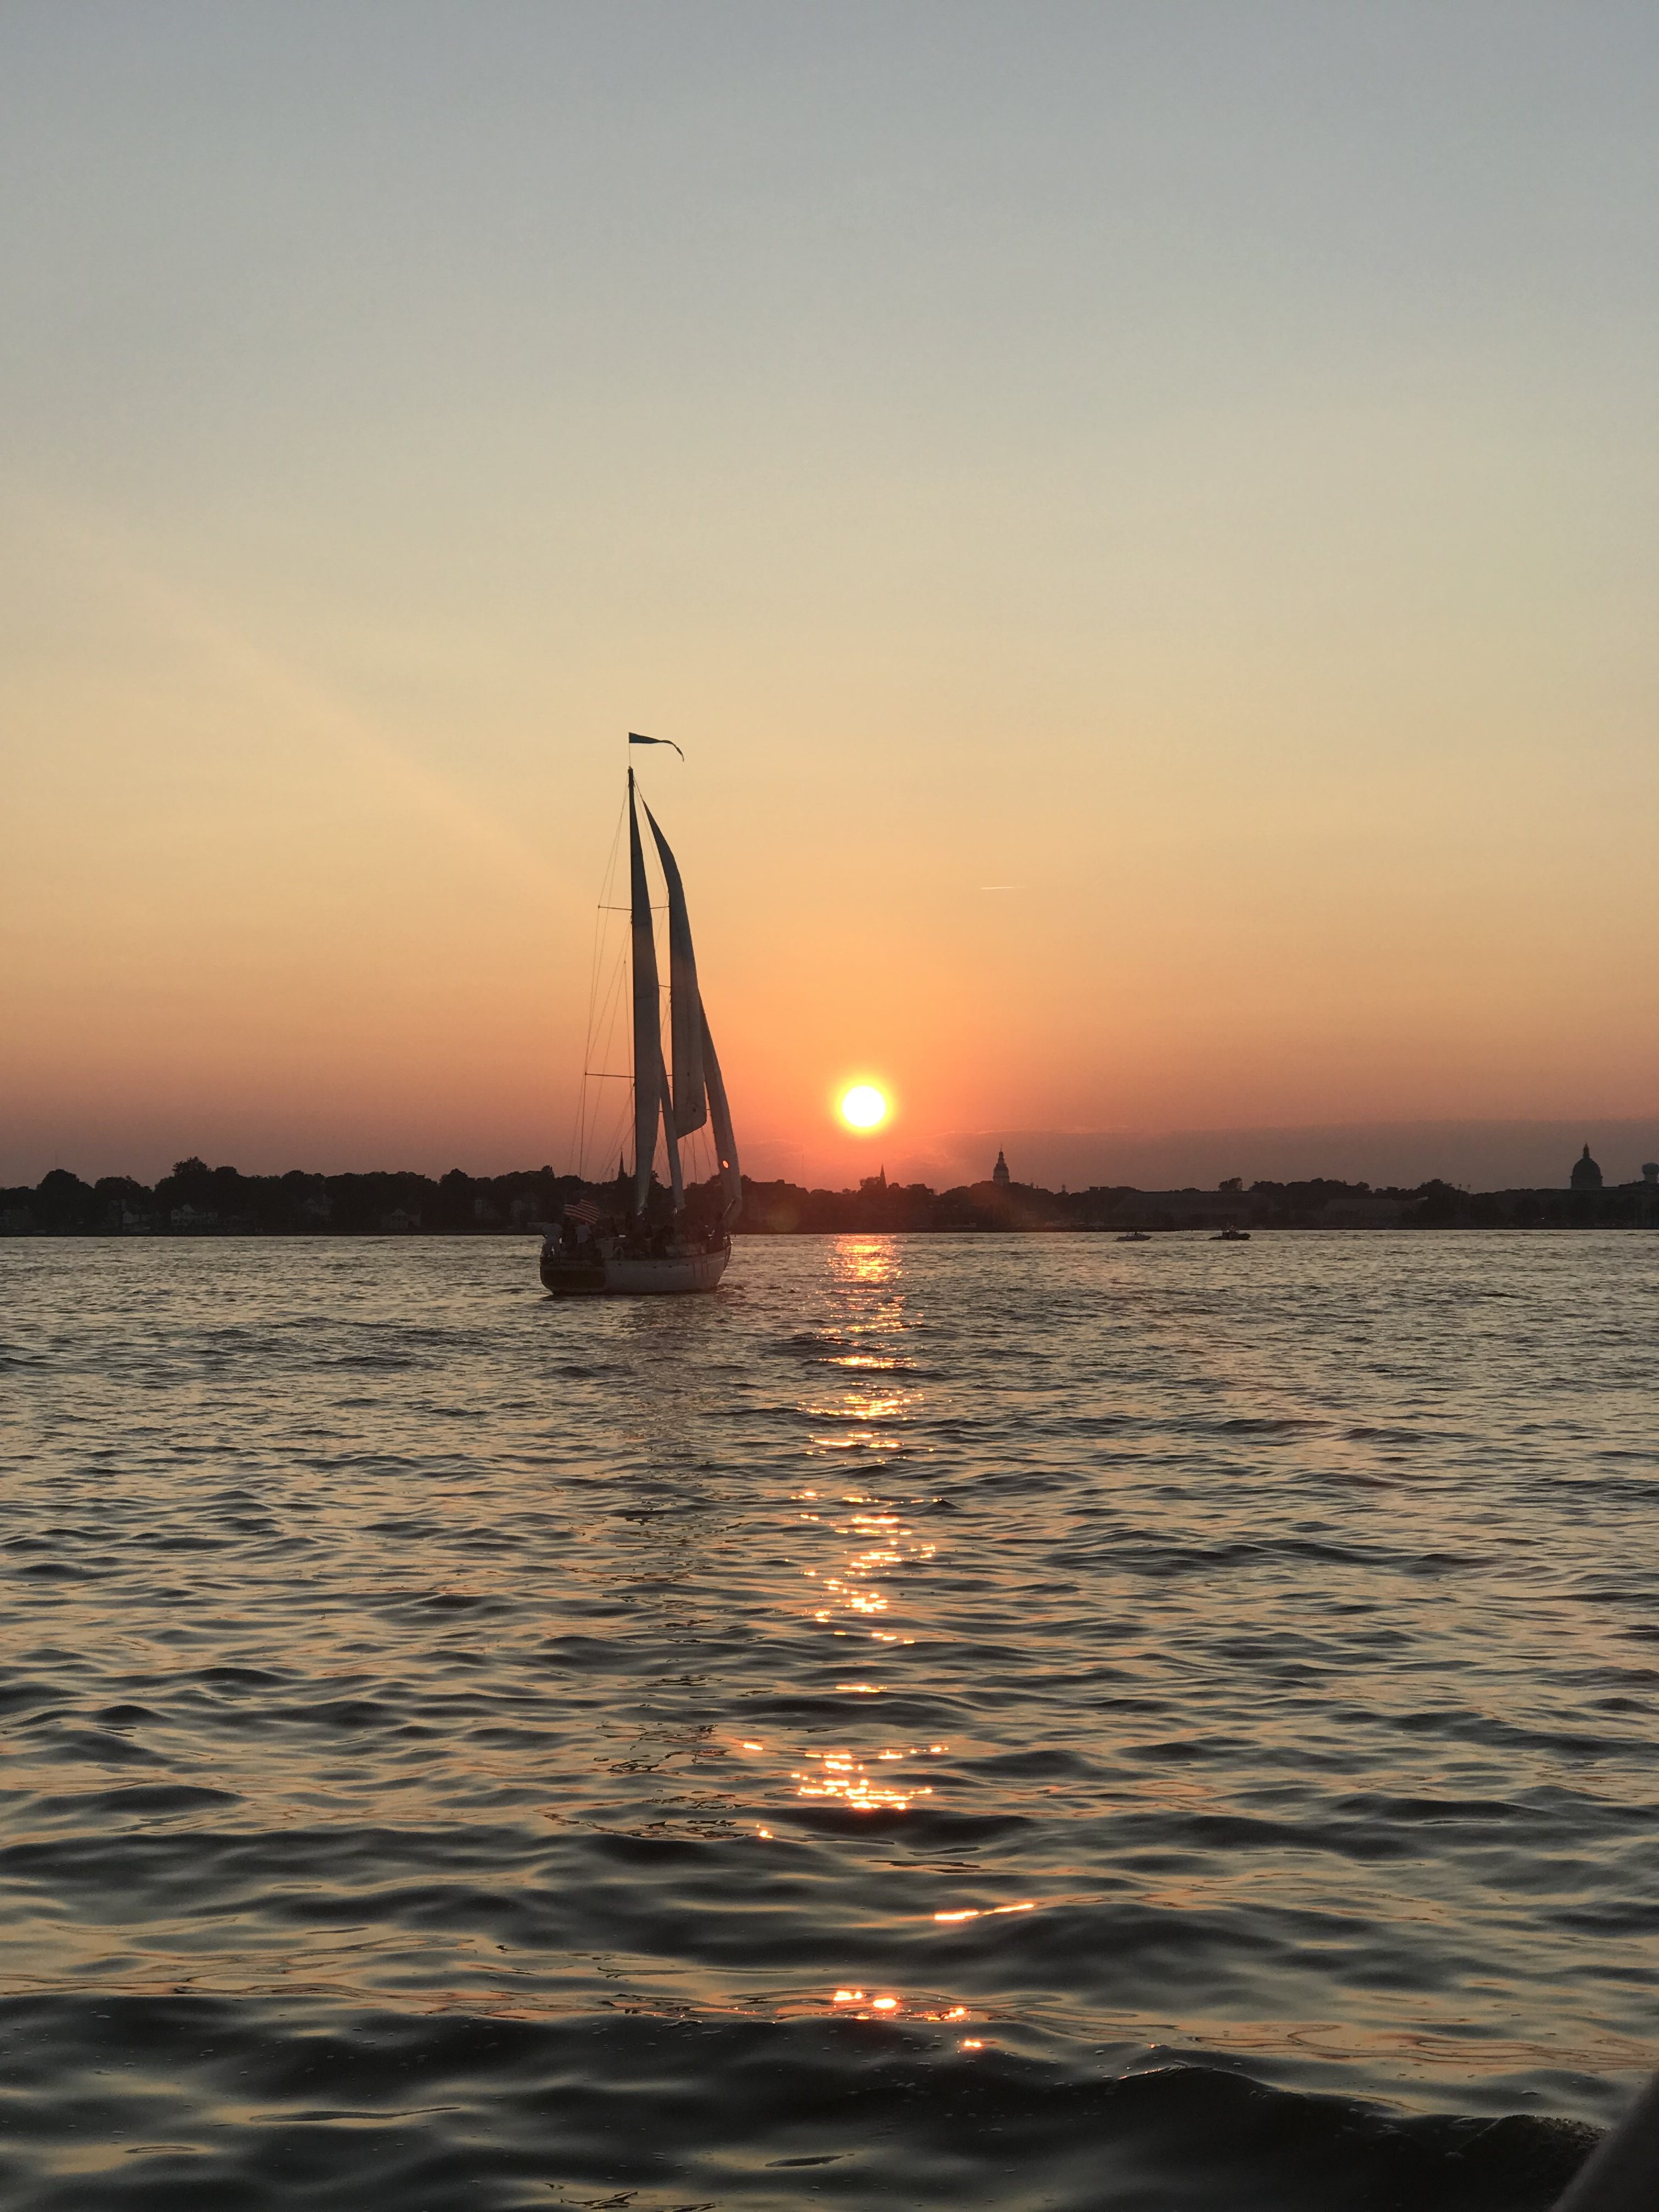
(1000, 1721)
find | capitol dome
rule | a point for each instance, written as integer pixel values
(1586, 1176)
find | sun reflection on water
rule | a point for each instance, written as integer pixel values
(860, 1544)
(840, 1777)
(857, 2004)
(884, 1544)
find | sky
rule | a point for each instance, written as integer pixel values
(1142, 521)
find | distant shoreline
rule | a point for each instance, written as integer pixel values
(197, 1200)
(742, 1232)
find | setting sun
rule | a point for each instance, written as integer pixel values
(864, 1107)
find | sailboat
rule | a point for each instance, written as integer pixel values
(644, 1247)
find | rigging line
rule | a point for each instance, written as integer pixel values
(615, 993)
(606, 885)
(593, 990)
(587, 1034)
(602, 1044)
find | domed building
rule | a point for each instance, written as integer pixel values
(1586, 1176)
(999, 1172)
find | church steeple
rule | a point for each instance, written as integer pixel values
(999, 1172)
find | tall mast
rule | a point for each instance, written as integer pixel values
(647, 1010)
(652, 1097)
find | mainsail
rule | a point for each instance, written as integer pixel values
(685, 1002)
(697, 1091)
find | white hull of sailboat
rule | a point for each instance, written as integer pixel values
(697, 1271)
(644, 1277)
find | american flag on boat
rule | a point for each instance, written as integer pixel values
(583, 1209)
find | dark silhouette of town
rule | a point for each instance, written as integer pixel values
(199, 1200)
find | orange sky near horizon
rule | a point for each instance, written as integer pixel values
(1148, 543)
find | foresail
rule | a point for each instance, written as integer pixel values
(671, 1142)
(647, 1012)
(685, 1006)
(726, 1144)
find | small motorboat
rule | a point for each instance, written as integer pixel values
(1134, 1237)
(1230, 1234)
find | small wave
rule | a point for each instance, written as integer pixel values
(611, 2108)
(140, 1801)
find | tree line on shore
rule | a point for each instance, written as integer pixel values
(196, 1200)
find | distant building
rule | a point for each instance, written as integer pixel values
(1650, 1171)
(1000, 1173)
(1586, 1176)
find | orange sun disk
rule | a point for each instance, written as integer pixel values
(863, 1107)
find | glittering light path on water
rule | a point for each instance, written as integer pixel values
(1160, 1724)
